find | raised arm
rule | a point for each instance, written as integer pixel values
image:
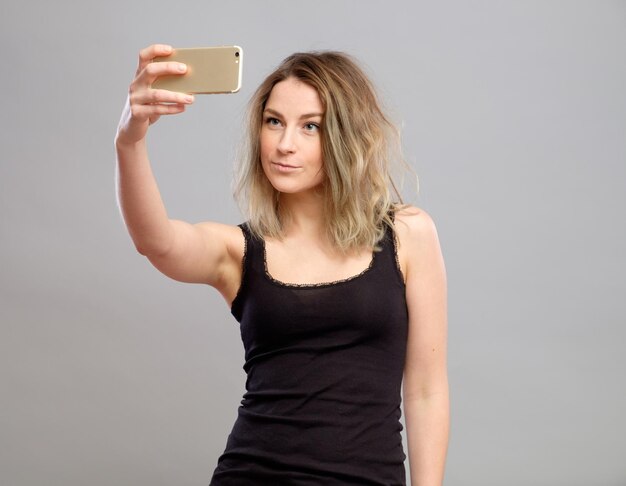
(204, 253)
(425, 386)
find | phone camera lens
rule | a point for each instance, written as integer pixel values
(236, 53)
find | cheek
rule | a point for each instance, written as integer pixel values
(266, 142)
(264, 148)
(319, 156)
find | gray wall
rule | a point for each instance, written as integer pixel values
(514, 117)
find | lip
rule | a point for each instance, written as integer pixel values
(280, 167)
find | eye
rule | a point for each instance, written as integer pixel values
(311, 127)
(272, 122)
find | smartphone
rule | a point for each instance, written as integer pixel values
(209, 70)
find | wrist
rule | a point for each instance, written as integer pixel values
(123, 144)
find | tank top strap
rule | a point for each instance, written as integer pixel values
(251, 267)
(254, 252)
(388, 253)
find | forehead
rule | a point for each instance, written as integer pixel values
(293, 96)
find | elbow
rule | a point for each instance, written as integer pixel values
(434, 389)
(149, 243)
(150, 249)
(142, 250)
(439, 395)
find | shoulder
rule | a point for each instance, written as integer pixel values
(417, 238)
(221, 230)
(227, 234)
(232, 242)
(231, 235)
(414, 227)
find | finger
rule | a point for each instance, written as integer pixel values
(153, 70)
(147, 54)
(160, 96)
(152, 112)
(170, 109)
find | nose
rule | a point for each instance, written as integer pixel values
(287, 143)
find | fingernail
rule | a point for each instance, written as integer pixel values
(189, 99)
(181, 67)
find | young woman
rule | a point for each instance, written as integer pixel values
(340, 292)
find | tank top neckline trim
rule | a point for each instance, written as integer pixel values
(256, 245)
(280, 283)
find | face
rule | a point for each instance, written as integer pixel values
(291, 143)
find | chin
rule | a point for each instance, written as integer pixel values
(293, 187)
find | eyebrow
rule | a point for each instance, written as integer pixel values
(302, 117)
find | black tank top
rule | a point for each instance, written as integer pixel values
(324, 365)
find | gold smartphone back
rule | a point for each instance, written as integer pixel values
(209, 70)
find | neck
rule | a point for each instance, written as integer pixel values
(304, 214)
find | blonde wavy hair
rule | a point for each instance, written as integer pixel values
(359, 144)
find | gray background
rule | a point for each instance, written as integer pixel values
(514, 117)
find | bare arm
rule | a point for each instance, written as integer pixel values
(425, 386)
(205, 252)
